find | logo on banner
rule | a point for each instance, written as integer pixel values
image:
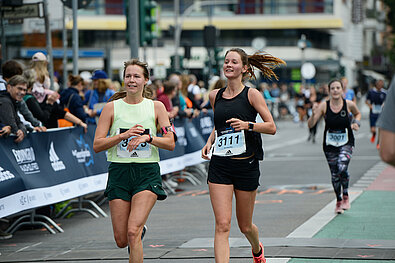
(26, 160)
(206, 125)
(83, 154)
(5, 175)
(56, 163)
(180, 131)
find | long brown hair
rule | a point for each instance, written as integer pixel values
(261, 60)
(144, 66)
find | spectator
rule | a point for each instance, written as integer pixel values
(70, 99)
(51, 111)
(16, 89)
(194, 89)
(165, 97)
(10, 68)
(5, 130)
(96, 98)
(349, 94)
(39, 64)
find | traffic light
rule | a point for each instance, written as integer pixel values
(148, 21)
(173, 62)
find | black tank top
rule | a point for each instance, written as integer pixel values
(238, 107)
(337, 122)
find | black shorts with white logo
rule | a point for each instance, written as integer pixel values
(242, 174)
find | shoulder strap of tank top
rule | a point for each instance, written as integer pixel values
(219, 95)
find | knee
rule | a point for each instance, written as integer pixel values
(222, 226)
(134, 233)
(121, 241)
(245, 229)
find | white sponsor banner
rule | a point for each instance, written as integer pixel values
(50, 195)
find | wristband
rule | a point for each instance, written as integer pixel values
(357, 122)
(250, 126)
(150, 138)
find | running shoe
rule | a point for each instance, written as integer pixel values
(261, 258)
(378, 146)
(338, 209)
(373, 138)
(345, 202)
(143, 233)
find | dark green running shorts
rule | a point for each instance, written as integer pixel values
(127, 179)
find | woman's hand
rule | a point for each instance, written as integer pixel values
(136, 141)
(355, 126)
(136, 130)
(206, 151)
(237, 124)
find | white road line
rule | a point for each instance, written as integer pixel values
(309, 228)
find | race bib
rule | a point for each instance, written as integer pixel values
(228, 142)
(142, 151)
(336, 137)
(376, 108)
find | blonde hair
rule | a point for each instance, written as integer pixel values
(40, 67)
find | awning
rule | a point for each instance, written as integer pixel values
(373, 74)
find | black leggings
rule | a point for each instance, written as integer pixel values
(338, 164)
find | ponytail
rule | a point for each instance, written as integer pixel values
(265, 63)
(118, 95)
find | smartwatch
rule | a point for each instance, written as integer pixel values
(250, 126)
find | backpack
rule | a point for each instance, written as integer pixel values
(64, 122)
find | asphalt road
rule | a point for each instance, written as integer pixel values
(294, 186)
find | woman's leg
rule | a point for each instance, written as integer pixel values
(245, 201)
(221, 200)
(343, 162)
(332, 159)
(120, 211)
(141, 206)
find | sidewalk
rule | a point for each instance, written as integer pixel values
(366, 232)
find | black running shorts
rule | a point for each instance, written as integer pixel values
(242, 174)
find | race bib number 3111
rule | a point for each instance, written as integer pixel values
(229, 143)
(142, 151)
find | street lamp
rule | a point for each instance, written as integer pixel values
(302, 44)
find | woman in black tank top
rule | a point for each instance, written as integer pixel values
(236, 146)
(338, 142)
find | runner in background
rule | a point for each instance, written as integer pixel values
(338, 140)
(375, 100)
(236, 147)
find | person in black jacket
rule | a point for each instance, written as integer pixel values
(70, 98)
(16, 89)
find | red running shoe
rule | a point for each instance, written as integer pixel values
(345, 202)
(373, 138)
(338, 208)
(261, 258)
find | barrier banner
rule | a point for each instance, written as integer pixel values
(187, 151)
(58, 165)
(204, 123)
(49, 167)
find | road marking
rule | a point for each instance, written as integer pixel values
(309, 228)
